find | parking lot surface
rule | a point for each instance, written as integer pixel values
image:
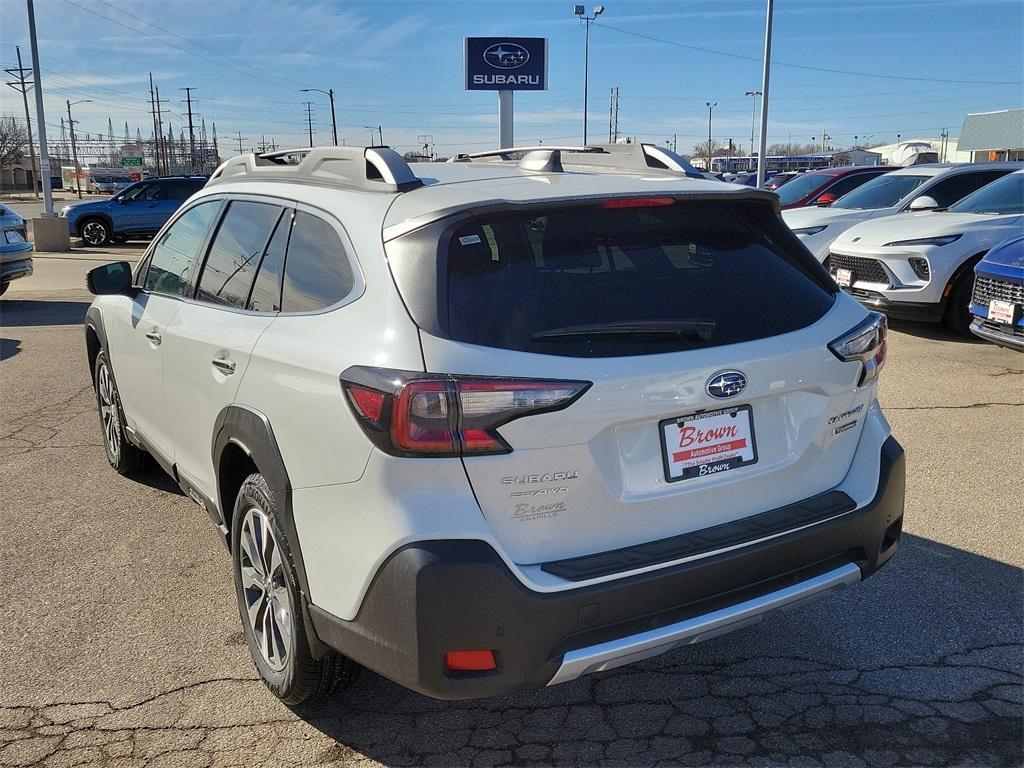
(122, 643)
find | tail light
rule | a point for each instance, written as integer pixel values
(415, 414)
(866, 343)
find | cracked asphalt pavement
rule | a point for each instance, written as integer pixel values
(122, 645)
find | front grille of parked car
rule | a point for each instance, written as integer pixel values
(986, 289)
(868, 270)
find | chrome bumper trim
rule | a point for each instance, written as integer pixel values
(626, 650)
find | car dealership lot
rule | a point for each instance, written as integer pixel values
(123, 643)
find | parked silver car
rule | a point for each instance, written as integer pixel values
(15, 249)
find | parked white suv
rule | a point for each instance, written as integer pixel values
(913, 189)
(492, 425)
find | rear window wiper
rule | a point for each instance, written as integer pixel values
(699, 327)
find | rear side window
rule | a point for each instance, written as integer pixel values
(235, 253)
(954, 189)
(581, 281)
(174, 256)
(181, 189)
(266, 291)
(317, 272)
(849, 183)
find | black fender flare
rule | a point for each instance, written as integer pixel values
(94, 322)
(251, 431)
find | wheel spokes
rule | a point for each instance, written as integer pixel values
(263, 579)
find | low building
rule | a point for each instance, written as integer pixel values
(993, 136)
(945, 148)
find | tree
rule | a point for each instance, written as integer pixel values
(13, 140)
(700, 152)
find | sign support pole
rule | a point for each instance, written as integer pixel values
(505, 131)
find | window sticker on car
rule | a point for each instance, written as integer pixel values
(707, 443)
(469, 240)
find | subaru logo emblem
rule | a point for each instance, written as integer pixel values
(506, 56)
(726, 384)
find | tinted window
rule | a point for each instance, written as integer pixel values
(881, 192)
(317, 271)
(266, 292)
(1003, 196)
(173, 257)
(960, 186)
(235, 253)
(149, 191)
(801, 186)
(512, 277)
(850, 183)
(181, 189)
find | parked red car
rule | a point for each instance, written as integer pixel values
(826, 185)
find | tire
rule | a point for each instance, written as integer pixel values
(270, 603)
(122, 455)
(958, 310)
(94, 232)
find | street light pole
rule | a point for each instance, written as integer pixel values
(762, 166)
(753, 117)
(710, 105)
(74, 147)
(334, 120)
(580, 11)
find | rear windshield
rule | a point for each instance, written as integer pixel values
(881, 192)
(605, 282)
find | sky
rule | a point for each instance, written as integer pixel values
(870, 69)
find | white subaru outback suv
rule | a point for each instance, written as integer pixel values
(492, 425)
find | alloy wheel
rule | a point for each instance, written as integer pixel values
(265, 589)
(109, 414)
(94, 233)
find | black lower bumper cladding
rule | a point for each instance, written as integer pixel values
(432, 597)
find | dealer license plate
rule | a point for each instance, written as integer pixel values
(1002, 311)
(707, 443)
(844, 278)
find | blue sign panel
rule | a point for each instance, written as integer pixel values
(506, 63)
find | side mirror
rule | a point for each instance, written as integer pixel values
(826, 198)
(120, 200)
(924, 203)
(109, 279)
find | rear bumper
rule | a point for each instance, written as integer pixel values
(12, 270)
(438, 596)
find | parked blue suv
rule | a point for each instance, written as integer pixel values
(136, 211)
(997, 305)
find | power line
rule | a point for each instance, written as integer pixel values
(803, 66)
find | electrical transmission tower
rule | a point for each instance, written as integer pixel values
(23, 85)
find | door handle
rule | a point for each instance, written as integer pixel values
(154, 337)
(225, 366)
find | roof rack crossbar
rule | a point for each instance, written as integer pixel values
(370, 169)
(630, 157)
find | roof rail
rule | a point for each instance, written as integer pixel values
(371, 169)
(621, 157)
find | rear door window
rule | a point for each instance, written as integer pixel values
(235, 253)
(592, 281)
(317, 271)
(182, 189)
(956, 188)
(849, 183)
(266, 291)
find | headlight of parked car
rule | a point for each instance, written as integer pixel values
(941, 240)
(810, 230)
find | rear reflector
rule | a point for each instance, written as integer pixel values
(469, 661)
(638, 202)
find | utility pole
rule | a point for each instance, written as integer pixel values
(163, 147)
(216, 150)
(309, 120)
(241, 138)
(191, 131)
(74, 149)
(329, 93)
(580, 11)
(613, 116)
(156, 129)
(762, 165)
(44, 156)
(24, 85)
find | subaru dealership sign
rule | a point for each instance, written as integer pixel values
(506, 64)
